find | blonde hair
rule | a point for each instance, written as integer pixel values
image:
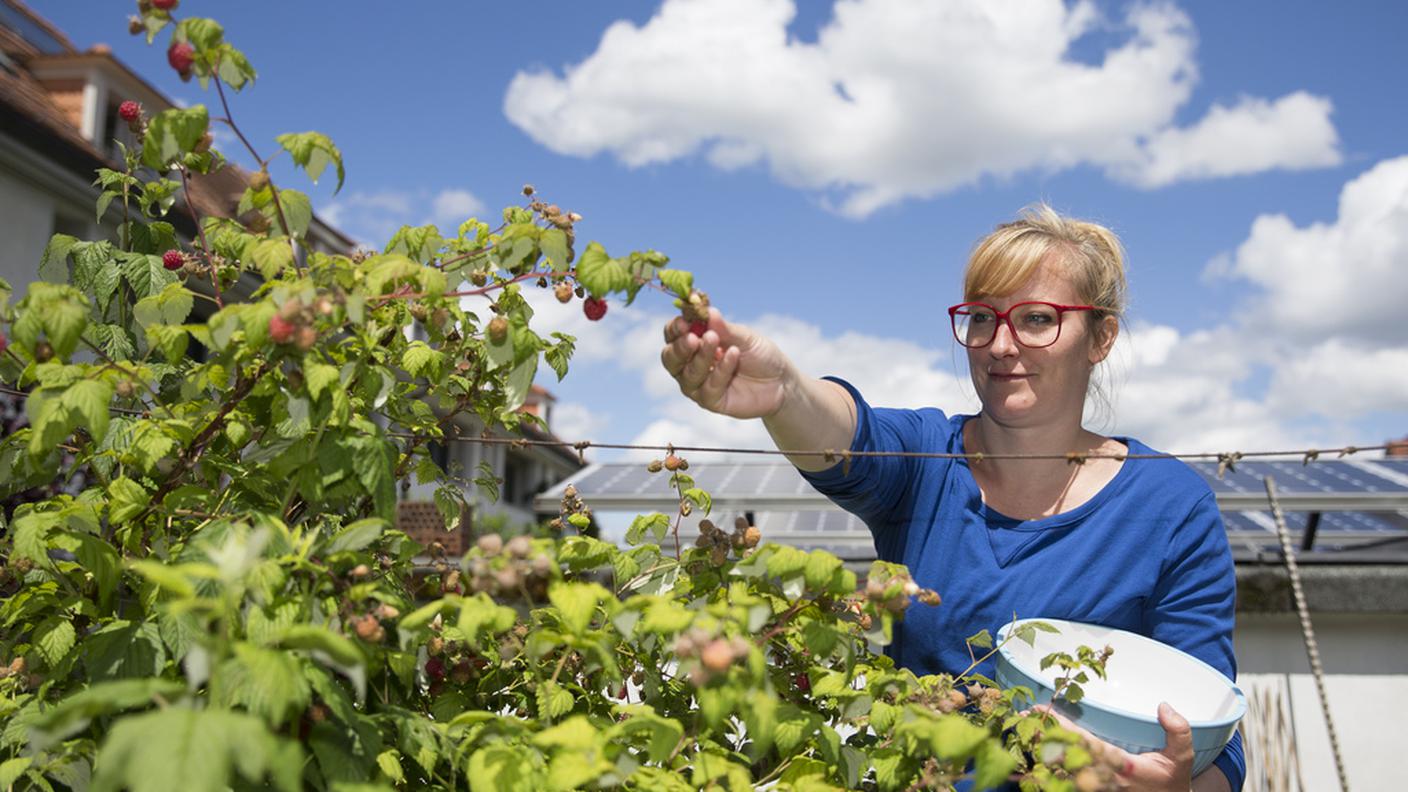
(1090, 253)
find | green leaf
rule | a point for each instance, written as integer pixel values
(268, 683)
(73, 714)
(313, 151)
(318, 377)
(507, 768)
(194, 751)
(993, 765)
(663, 733)
(356, 536)
(553, 242)
(655, 523)
(172, 133)
(126, 499)
(980, 640)
(54, 638)
(577, 603)
(123, 650)
(272, 256)
(145, 274)
(554, 701)
(677, 281)
(319, 639)
(53, 265)
(298, 210)
(88, 400)
(12, 769)
(420, 359)
(599, 273)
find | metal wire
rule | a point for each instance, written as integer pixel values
(1226, 460)
(1312, 649)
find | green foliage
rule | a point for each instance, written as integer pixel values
(225, 602)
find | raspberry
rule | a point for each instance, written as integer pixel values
(165, 5)
(181, 56)
(281, 329)
(129, 111)
(673, 463)
(717, 656)
(655, 465)
(520, 546)
(803, 683)
(490, 544)
(173, 260)
(498, 330)
(698, 328)
(4, 343)
(594, 308)
(135, 26)
(306, 338)
(435, 669)
(563, 292)
(258, 180)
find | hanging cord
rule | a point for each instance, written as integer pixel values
(1312, 649)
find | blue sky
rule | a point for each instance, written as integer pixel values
(864, 154)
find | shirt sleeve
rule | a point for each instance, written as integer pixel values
(872, 488)
(1193, 605)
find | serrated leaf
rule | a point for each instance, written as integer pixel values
(577, 603)
(89, 400)
(599, 273)
(356, 536)
(272, 256)
(54, 638)
(53, 265)
(554, 701)
(677, 281)
(319, 639)
(194, 751)
(171, 133)
(420, 359)
(313, 152)
(318, 377)
(268, 683)
(980, 640)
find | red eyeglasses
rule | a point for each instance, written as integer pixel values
(1034, 324)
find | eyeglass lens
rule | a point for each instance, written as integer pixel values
(1036, 325)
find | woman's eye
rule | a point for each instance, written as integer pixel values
(1039, 319)
(980, 318)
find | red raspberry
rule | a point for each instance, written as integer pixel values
(181, 56)
(594, 308)
(435, 669)
(4, 343)
(281, 329)
(173, 260)
(129, 111)
(698, 328)
(803, 683)
(165, 5)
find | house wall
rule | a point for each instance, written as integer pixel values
(25, 226)
(1365, 660)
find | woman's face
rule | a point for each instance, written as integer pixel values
(1024, 387)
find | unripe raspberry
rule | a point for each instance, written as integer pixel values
(478, 277)
(324, 306)
(369, 629)
(528, 189)
(957, 699)
(173, 260)
(490, 544)
(751, 537)
(43, 353)
(673, 463)
(419, 311)
(360, 571)
(704, 540)
(542, 566)
(281, 330)
(655, 465)
(451, 584)
(508, 578)
(594, 308)
(717, 656)
(129, 111)
(519, 546)
(719, 555)
(165, 5)
(563, 292)
(462, 673)
(181, 56)
(258, 180)
(684, 647)
(305, 338)
(387, 612)
(498, 330)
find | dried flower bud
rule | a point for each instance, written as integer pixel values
(655, 466)
(490, 544)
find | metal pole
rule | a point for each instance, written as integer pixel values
(1312, 649)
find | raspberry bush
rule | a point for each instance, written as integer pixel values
(224, 603)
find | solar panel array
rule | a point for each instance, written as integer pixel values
(1363, 503)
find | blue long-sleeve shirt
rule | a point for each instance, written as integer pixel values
(1147, 554)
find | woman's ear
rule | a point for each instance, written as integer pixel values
(1104, 338)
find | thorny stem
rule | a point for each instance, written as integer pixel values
(204, 243)
(229, 119)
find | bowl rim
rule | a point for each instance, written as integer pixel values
(1239, 712)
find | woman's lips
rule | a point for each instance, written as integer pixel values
(1008, 377)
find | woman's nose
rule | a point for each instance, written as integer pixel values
(1004, 341)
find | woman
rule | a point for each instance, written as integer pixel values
(1135, 545)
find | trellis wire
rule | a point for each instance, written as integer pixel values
(1307, 630)
(1226, 460)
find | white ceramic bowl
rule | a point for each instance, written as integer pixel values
(1123, 708)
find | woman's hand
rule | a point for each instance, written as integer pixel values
(729, 370)
(1156, 771)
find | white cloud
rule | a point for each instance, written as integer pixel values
(372, 217)
(1341, 377)
(1346, 278)
(575, 421)
(1255, 135)
(898, 99)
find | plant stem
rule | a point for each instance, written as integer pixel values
(204, 243)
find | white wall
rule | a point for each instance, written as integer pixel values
(1365, 659)
(26, 222)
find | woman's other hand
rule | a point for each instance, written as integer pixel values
(1155, 771)
(729, 370)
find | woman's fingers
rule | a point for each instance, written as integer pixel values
(1178, 735)
(711, 392)
(696, 369)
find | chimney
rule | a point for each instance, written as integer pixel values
(1397, 448)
